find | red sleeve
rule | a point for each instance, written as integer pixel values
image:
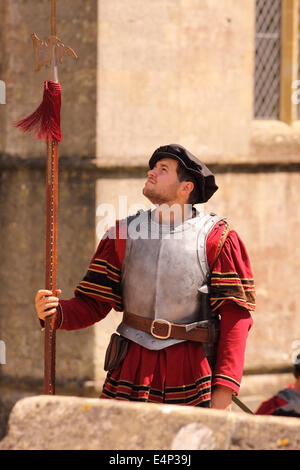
(97, 293)
(81, 312)
(232, 296)
(234, 326)
(231, 277)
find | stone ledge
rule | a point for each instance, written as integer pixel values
(264, 384)
(126, 168)
(274, 141)
(73, 423)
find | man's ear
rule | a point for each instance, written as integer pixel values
(186, 188)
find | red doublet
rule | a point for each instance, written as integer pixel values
(181, 373)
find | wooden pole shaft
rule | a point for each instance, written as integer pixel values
(54, 75)
(53, 17)
(51, 234)
(51, 261)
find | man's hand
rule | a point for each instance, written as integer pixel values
(221, 398)
(46, 303)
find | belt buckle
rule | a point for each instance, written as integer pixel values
(160, 320)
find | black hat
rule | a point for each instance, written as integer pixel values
(204, 177)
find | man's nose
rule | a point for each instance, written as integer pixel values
(152, 173)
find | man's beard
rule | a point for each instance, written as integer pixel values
(154, 198)
(158, 198)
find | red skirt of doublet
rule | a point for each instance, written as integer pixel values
(179, 374)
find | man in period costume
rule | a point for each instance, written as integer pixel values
(184, 283)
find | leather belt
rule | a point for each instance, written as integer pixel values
(163, 329)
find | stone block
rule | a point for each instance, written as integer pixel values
(71, 423)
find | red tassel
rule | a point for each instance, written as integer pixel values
(44, 123)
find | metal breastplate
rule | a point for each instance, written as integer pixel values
(162, 272)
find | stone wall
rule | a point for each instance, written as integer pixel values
(174, 72)
(76, 27)
(22, 269)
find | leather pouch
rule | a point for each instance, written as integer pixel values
(116, 352)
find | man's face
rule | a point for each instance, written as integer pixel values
(162, 184)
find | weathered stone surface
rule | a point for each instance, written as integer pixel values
(8, 398)
(22, 232)
(264, 432)
(274, 141)
(264, 384)
(76, 27)
(166, 74)
(254, 389)
(52, 422)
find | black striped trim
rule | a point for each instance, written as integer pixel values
(101, 295)
(122, 395)
(231, 275)
(204, 391)
(128, 397)
(103, 279)
(105, 285)
(137, 388)
(103, 263)
(229, 379)
(184, 388)
(102, 289)
(215, 304)
(107, 274)
(204, 403)
(158, 393)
